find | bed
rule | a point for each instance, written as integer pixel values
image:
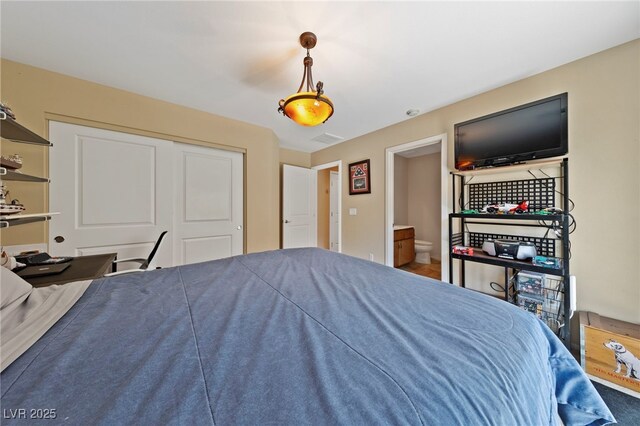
(299, 336)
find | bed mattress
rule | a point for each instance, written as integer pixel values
(302, 336)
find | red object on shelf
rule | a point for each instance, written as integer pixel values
(463, 250)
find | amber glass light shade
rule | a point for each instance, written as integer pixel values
(307, 108)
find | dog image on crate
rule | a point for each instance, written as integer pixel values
(624, 357)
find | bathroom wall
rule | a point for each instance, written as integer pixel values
(400, 190)
(423, 207)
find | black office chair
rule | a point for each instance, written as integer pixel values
(145, 264)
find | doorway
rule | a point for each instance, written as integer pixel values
(439, 231)
(311, 206)
(328, 213)
(299, 207)
(330, 205)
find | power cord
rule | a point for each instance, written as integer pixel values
(501, 289)
(460, 195)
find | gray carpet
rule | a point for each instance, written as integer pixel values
(625, 408)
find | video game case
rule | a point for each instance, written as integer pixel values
(530, 283)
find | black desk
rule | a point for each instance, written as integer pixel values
(80, 268)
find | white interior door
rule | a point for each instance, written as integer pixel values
(113, 190)
(299, 204)
(334, 212)
(208, 204)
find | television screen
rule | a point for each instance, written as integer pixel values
(534, 130)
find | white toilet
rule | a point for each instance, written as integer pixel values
(423, 251)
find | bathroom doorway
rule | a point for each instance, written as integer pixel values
(417, 207)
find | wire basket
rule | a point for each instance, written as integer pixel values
(543, 296)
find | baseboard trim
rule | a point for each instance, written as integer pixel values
(615, 386)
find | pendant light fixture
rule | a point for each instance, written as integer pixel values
(309, 107)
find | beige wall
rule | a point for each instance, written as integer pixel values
(295, 158)
(604, 96)
(37, 95)
(400, 190)
(423, 201)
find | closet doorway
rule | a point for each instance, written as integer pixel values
(116, 192)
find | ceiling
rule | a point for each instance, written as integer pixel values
(376, 59)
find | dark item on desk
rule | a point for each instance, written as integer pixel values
(89, 267)
(41, 259)
(42, 270)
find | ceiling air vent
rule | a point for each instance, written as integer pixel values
(327, 138)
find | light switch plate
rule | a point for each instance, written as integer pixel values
(353, 211)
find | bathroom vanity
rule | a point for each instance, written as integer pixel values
(403, 245)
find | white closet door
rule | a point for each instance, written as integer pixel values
(299, 205)
(113, 190)
(208, 204)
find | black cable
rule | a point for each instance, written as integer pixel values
(460, 195)
(573, 223)
(509, 284)
(571, 203)
(500, 288)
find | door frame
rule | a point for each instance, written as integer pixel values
(444, 197)
(328, 166)
(334, 191)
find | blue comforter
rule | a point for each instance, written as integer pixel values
(296, 337)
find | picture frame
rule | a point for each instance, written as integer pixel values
(360, 177)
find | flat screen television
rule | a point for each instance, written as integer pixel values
(531, 131)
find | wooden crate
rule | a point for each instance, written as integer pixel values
(600, 361)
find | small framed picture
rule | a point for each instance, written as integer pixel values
(360, 178)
